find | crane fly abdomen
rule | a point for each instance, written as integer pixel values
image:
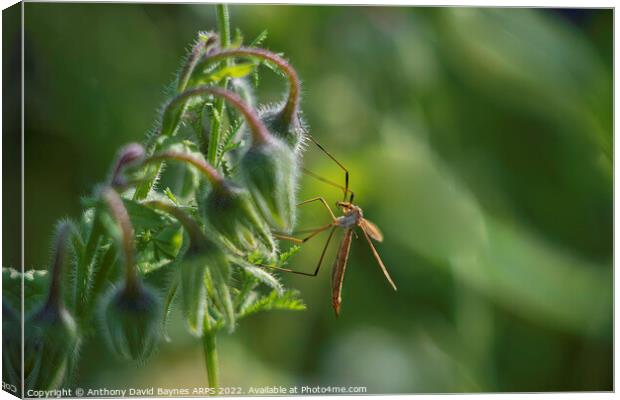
(340, 266)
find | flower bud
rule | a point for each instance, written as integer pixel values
(243, 89)
(51, 336)
(203, 256)
(131, 321)
(270, 171)
(283, 121)
(218, 289)
(11, 344)
(206, 42)
(289, 129)
(50, 342)
(229, 210)
(128, 155)
(193, 290)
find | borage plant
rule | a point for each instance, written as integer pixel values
(188, 217)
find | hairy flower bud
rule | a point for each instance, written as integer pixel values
(270, 172)
(229, 210)
(127, 156)
(283, 121)
(51, 335)
(198, 266)
(290, 130)
(131, 321)
(203, 255)
(11, 344)
(50, 342)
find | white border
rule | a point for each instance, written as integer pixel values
(479, 3)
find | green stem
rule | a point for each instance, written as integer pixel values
(204, 167)
(86, 262)
(223, 25)
(292, 102)
(210, 354)
(121, 217)
(258, 130)
(99, 279)
(54, 298)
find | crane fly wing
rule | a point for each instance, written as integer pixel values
(372, 230)
(374, 252)
(340, 265)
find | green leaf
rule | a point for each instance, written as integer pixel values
(289, 300)
(259, 39)
(143, 217)
(237, 39)
(234, 71)
(171, 196)
(168, 302)
(169, 240)
(283, 258)
(262, 276)
(172, 117)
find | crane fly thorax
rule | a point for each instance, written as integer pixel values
(351, 218)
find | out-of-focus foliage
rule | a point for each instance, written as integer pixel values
(478, 140)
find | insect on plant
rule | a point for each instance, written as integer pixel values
(352, 217)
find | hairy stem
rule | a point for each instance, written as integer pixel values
(204, 167)
(292, 101)
(201, 45)
(121, 216)
(257, 128)
(210, 355)
(193, 229)
(86, 261)
(99, 278)
(54, 298)
(223, 24)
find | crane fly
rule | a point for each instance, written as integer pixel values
(352, 218)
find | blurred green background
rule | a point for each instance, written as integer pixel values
(479, 140)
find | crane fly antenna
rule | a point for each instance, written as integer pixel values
(346, 171)
(325, 180)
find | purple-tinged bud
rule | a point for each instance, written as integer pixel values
(292, 131)
(130, 313)
(51, 335)
(207, 42)
(282, 121)
(131, 321)
(129, 155)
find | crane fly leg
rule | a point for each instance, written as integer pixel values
(318, 266)
(322, 200)
(374, 253)
(346, 171)
(313, 233)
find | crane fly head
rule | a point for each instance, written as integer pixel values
(349, 208)
(352, 215)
